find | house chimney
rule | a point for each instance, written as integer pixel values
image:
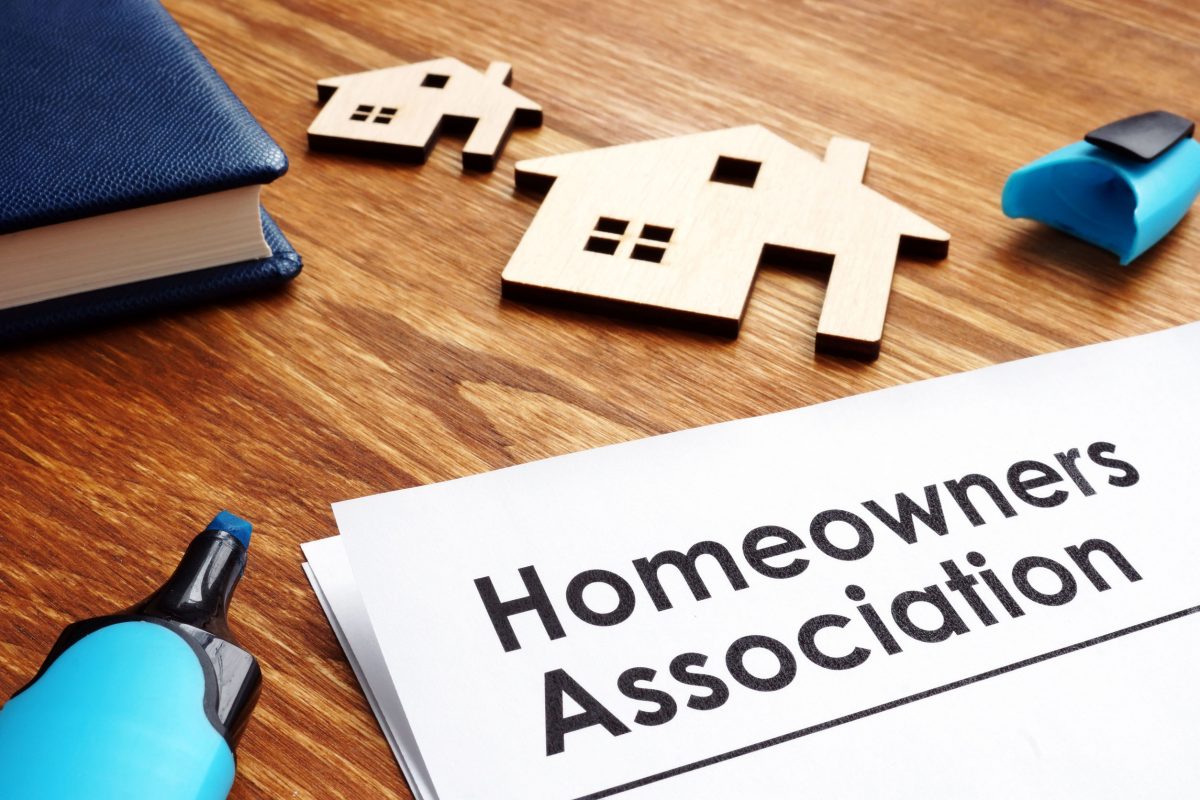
(499, 72)
(848, 157)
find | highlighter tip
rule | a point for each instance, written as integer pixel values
(231, 523)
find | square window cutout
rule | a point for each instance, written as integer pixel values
(611, 225)
(645, 252)
(435, 81)
(601, 244)
(657, 233)
(738, 171)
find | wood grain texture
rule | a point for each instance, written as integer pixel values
(392, 361)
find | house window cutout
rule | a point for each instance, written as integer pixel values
(384, 117)
(611, 225)
(648, 252)
(606, 244)
(738, 171)
(601, 244)
(435, 81)
(657, 233)
(609, 232)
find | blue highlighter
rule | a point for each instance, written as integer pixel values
(1124, 187)
(146, 704)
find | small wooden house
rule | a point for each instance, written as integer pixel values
(675, 229)
(399, 112)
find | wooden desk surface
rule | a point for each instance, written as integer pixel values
(392, 361)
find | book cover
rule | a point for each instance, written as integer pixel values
(110, 107)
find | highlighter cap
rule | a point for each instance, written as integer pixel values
(1123, 188)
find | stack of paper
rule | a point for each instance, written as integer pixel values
(977, 586)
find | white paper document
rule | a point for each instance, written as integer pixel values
(978, 586)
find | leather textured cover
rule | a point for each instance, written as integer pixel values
(106, 105)
(173, 291)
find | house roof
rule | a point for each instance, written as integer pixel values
(753, 142)
(449, 66)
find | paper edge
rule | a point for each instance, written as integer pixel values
(420, 789)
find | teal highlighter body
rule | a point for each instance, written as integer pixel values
(147, 704)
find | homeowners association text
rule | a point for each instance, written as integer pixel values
(967, 594)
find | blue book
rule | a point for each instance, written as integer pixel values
(129, 171)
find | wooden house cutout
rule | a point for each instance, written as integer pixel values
(399, 112)
(675, 230)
